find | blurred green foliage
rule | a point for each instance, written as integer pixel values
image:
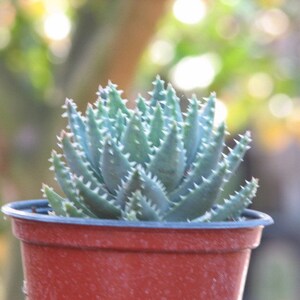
(251, 43)
(24, 52)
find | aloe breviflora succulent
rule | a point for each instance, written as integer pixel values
(149, 164)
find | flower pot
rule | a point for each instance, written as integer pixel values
(72, 258)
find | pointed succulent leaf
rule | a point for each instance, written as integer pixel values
(168, 163)
(191, 131)
(115, 166)
(233, 207)
(135, 141)
(115, 102)
(200, 199)
(55, 200)
(77, 125)
(172, 110)
(142, 207)
(65, 180)
(95, 139)
(158, 95)
(101, 112)
(213, 151)
(128, 187)
(120, 125)
(154, 191)
(206, 119)
(73, 211)
(156, 127)
(233, 160)
(205, 163)
(235, 157)
(106, 125)
(142, 106)
(129, 215)
(76, 161)
(98, 202)
(102, 93)
(150, 188)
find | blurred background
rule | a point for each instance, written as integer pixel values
(246, 51)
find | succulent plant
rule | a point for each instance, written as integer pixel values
(153, 163)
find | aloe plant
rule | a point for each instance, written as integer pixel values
(153, 163)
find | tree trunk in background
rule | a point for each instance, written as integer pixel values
(108, 43)
(114, 51)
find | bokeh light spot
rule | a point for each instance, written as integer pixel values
(260, 85)
(189, 11)
(195, 71)
(273, 23)
(57, 26)
(281, 105)
(162, 52)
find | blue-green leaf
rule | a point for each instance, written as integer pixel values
(115, 102)
(150, 187)
(172, 110)
(77, 161)
(235, 157)
(158, 95)
(191, 131)
(73, 211)
(233, 160)
(115, 166)
(129, 186)
(101, 111)
(154, 191)
(232, 208)
(142, 208)
(95, 139)
(97, 201)
(135, 141)
(142, 107)
(66, 182)
(168, 164)
(200, 198)
(55, 200)
(156, 127)
(102, 94)
(206, 120)
(120, 125)
(205, 163)
(77, 126)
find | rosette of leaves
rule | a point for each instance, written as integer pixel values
(153, 163)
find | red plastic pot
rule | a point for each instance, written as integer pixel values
(71, 258)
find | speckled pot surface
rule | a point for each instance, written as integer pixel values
(70, 258)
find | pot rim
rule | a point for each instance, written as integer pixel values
(24, 210)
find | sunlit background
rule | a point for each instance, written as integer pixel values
(248, 52)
